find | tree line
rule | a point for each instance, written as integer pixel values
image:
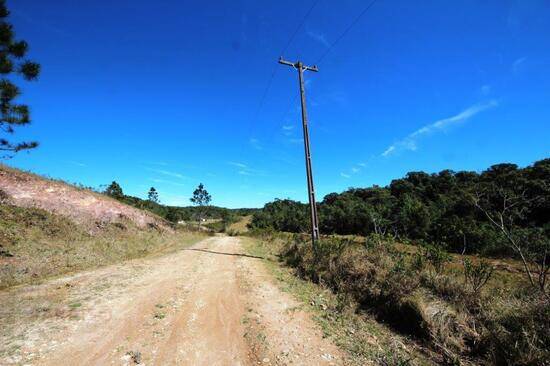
(459, 211)
(200, 210)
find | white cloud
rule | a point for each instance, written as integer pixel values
(244, 169)
(296, 141)
(362, 165)
(77, 163)
(162, 163)
(410, 142)
(167, 173)
(355, 170)
(255, 143)
(517, 64)
(344, 175)
(485, 90)
(319, 37)
(237, 164)
(288, 130)
(162, 181)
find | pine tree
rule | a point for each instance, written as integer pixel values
(13, 62)
(114, 190)
(201, 198)
(153, 195)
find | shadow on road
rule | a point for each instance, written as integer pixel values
(222, 253)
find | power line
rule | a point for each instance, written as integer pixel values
(343, 34)
(272, 76)
(299, 26)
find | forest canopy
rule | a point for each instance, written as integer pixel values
(448, 209)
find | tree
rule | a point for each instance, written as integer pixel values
(173, 215)
(153, 195)
(227, 218)
(201, 198)
(504, 208)
(12, 61)
(114, 190)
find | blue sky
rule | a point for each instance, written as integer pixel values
(167, 94)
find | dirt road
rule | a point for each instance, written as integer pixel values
(206, 305)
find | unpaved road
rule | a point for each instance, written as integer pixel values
(206, 305)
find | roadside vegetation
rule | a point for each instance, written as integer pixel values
(447, 209)
(366, 340)
(458, 262)
(454, 309)
(36, 244)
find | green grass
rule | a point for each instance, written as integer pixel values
(366, 340)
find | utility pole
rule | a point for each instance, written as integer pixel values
(310, 188)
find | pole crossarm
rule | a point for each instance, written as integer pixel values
(310, 186)
(313, 68)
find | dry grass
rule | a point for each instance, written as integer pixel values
(241, 226)
(503, 323)
(36, 244)
(368, 341)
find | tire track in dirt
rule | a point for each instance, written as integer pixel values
(186, 308)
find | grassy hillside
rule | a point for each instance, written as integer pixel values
(35, 244)
(48, 228)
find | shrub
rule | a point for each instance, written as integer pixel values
(415, 295)
(477, 274)
(436, 256)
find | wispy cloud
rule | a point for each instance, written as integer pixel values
(296, 141)
(77, 163)
(518, 63)
(161, 163)
(244, 169)
(288, 130)
(237, 164)
(344, 175)
(411, 141)
(485, 90)
(167, 173)
(163, 181)
(255, 143)
(319, 37)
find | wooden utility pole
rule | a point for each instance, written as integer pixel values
(310, 187)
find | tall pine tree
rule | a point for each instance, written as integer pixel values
(153, 195)
(13, 64)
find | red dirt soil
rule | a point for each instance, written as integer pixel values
(84, 207)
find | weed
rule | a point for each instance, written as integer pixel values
(159, 315)
(476, 275)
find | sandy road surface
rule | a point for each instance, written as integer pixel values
(207, 305)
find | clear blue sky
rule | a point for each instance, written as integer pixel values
(165, 93)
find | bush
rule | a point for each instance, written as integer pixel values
(417, 295)
(476, 275)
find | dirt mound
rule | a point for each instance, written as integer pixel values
(84, 207)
